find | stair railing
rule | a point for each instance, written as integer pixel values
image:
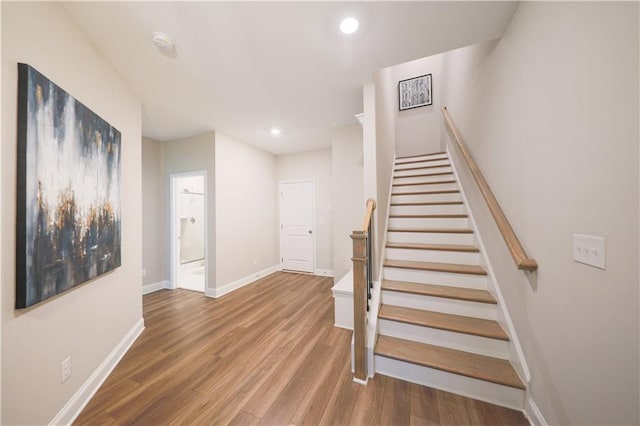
(517, 252)
(362, 286)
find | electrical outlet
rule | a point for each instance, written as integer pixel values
(589, 250)
(255, 262)
(65, 369)
(144, 273)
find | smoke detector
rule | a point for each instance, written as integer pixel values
(164, 43)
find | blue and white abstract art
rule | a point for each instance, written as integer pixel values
(68, 216)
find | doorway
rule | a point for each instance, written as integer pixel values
(188, 231)
(297, 238)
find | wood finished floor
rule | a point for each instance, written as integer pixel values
(265, 354)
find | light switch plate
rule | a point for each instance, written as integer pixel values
(589, 250)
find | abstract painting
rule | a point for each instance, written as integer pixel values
(68, 215)
(415, 92)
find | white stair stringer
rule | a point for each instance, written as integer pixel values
(493, 393)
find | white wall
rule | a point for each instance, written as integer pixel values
(385, 106)
(155, 223)
(316, 166)
(246, 210)
(418, 129)
(369, 142)
(89, 321)
(347, 194)
(189, 155)
(550, 114)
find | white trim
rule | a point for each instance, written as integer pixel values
(228, 288)
(361, 382)
(79, 400)
(174, 230)
(313, 221)
(153, 287)
(323, 272)
(533, 413)
(515, 342)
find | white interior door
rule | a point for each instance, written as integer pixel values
(296, 226)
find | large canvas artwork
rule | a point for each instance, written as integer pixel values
(68, 218)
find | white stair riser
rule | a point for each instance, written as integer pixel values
(419, 222)
(428, 209)
(408, 171)
(448, 339)
(465, 258)
(443, 162)
(443, 256)
(422, 157)
(473, 388)
(429, 238)
(416, 179)
(487, 311)
(439, 278)
(426, 198)
(425, 187)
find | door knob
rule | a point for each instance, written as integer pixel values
(310, 231)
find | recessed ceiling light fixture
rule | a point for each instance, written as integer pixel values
(349, 25)
(275, 131)
(164, 43)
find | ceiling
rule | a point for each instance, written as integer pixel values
(245, 67)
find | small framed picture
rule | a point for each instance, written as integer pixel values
(415, 92)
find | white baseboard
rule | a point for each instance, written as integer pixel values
(160, 285)
(228, 288)
(533, 413)
(324, 272)
(79, 400)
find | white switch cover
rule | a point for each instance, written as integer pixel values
(65, 369)
(589, 250)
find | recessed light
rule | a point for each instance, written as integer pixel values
(275, 131)
(349, 25)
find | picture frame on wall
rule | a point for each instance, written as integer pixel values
(415, 92)
(68, 228)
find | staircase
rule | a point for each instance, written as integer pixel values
(437, 322)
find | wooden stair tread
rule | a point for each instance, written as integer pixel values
(467, 364)
(437, 267)
(438, 247)
(423, 175)
(421, 161)
(430, 216)
(422, 167)
(443, 191)
(445, 291)
(421, 155)
(433, 230)
(438, 182)
(449, 322)
(429, 203)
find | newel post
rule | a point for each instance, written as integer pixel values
(359, 305)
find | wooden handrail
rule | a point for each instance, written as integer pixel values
(371, 205)
(362, 279)
(517, 252)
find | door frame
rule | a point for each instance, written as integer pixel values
(313, 222)
(174, 229)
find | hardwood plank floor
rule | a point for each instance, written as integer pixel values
(265, 354)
